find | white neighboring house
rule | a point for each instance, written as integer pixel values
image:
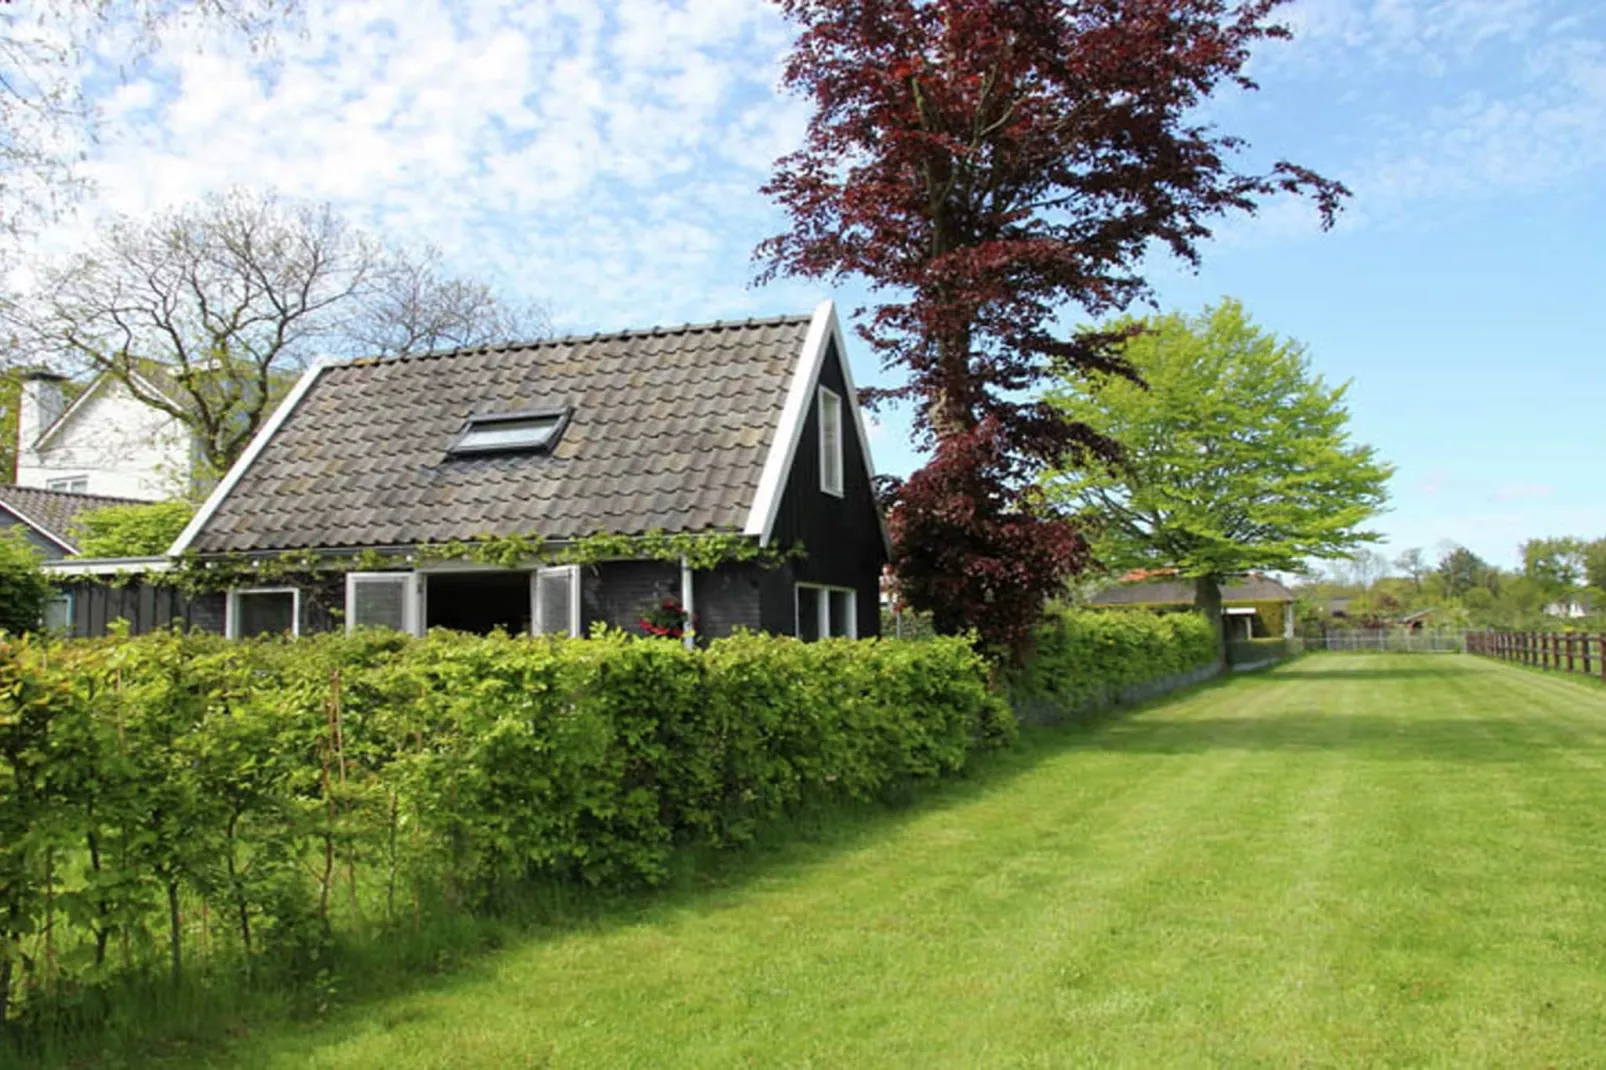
(1572, 606)
(106, 441)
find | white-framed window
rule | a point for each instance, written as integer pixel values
(830, 442)
(71, 484)
(555, 600)
(380, 600)
(262, 611)
(58, 613)
(533, 430)
(824, 611)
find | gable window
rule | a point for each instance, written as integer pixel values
(556, 600)
(71, 484)
(262, 611)
(824, 612)
(830, 442)
(531, 431)
(379, 600)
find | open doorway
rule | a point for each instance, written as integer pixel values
(478, 602)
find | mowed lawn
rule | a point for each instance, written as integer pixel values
(1349, 861)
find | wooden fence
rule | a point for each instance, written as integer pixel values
(1567, 652)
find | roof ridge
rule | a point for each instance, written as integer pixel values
(596, 336)
(72, 494)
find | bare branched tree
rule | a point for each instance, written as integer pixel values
(46, 121)
(415, 307)
(209, 312)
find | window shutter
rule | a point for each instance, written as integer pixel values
(378, 602)
(557, 594)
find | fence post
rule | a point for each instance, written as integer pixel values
(1569, 651)
(1584, 640)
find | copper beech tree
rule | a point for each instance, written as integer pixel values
(985, 165)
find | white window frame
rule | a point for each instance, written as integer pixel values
(55, 484)
(573, 572)
(824, 603)
(412, 618)
(68, 598)
(231, 608)
(831, 477)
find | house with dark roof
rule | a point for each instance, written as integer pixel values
(746, 431)
(45, 517)
(1254, 606)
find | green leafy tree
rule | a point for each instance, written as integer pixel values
(1557, 565)
(24, 590)
(1595, 563)
(1460, 570)
(1237, 456)
(142, 530)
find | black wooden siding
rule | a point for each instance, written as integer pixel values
(842, 536)
(146, 607)
(724, 599)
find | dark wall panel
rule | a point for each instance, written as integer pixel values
(728, 598)
(615, 592)
(842, 536)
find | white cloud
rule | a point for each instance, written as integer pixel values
(1522, 492)
(604, 159)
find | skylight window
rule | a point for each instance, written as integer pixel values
(511, 432)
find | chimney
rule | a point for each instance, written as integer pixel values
(39, 402)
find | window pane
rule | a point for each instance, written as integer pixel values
(841, 605)
(528, 433)
(808, 612)
(379, 603)
(269, 613)
(58, 614)
(555, 600)
(830, 442)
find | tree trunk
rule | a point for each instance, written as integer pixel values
(176, 927)
(1207, 600)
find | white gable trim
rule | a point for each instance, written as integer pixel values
(266, 432)
(83, 399)
(38, 527)
(824, 329)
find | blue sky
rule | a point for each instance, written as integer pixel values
(604, 158)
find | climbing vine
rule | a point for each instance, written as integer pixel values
(704, 552)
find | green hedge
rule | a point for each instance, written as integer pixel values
(1087, 658)
(175, 796)
(1259, 651)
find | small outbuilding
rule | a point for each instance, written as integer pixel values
(1254, 606)
(367, 493)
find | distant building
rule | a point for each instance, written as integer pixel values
(103, 442)
(45, 517)
(1254, 606)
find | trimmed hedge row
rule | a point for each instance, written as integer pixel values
(176, 798)
(1088, 658)
(1262, 651)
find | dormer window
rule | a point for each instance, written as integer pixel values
(531, 431)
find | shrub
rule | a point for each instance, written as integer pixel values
(142, 530)
(24, 590)
(1086, 658)
(292, 790)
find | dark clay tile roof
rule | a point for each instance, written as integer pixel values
(1251, 588)
(670, 430)
(52, 511)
